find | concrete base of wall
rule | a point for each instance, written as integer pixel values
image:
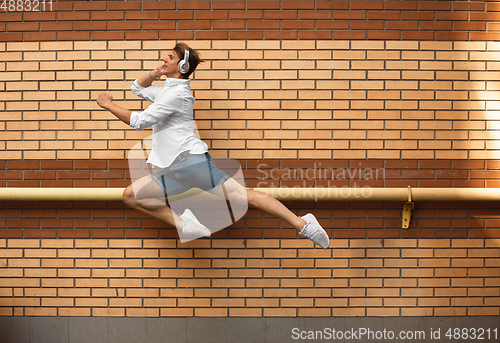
(243, 330)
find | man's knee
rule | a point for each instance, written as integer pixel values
(128, 197)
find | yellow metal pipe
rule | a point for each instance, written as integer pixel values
(61, 194)
(283, 194)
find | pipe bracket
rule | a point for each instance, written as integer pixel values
(407, 209)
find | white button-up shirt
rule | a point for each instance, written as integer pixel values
(171, 115)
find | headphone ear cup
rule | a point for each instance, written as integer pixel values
(183, 67)
(184, 64)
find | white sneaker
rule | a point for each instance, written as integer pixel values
(314, 231)
(192, 227)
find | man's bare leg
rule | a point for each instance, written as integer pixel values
(146, 196)
(307, 225)
(261, 201)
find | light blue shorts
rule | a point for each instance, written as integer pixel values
(189, 172)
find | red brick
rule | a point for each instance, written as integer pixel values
(455, 233)
(332, 5)
(229, 25)
(12, 27)
(23, 184)
(212, 35)
(105, 35)
(473, 16)
(366, 5)
(149, 25)
(348, 234)
(383, 15)
(40, 233)
(121, 5)
(158, 5)
(483, 36)
(280, 233)
(452, 16)
(194, 25)
(10, 233)
(193, 5)
(263, 25)
(39, 36)
(394, 233)
(73, 16)
(383, 35)
(484, 233)
(115, 15)
(401, 25)
(436, 26)
(56, 224)
(37, 213)
(177, 15)
(73, 174)
(136, 15)
(13, 165)
(468, 184)
(58, 165)
(212, 15)
(472, 6)
(96, 25)
(39, 16)
(367, 25)
(39, 175)
(11, 16)
(90, 183)
(286, 14)
(79, 164)
(144, 35)
(73, 233)
(229, 5)
(246, 14)
(96, 233)
(142, 234)
(282, 35)
(10, 175)
(297, 25)
(56, 183)
(91, 223)
(252, 35)
(298, 5)
(90, 6)
(420, 233)
(434, 6)
(261, 5)
(349, 15)
(453, 36)
(417, 16)
(317, 15)
(11, 37)
(417, 35)
(72, 36)
(72, 213)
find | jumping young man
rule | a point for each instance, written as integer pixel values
(177, 151)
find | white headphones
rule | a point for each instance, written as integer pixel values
(184, 64)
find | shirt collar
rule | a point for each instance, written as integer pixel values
(170, 81)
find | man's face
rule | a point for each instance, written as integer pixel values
(171, 63)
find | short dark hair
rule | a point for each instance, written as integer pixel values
(194, 57)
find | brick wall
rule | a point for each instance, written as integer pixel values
(312, 93)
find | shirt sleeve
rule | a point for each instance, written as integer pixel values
(147, 93)
(156, 112)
